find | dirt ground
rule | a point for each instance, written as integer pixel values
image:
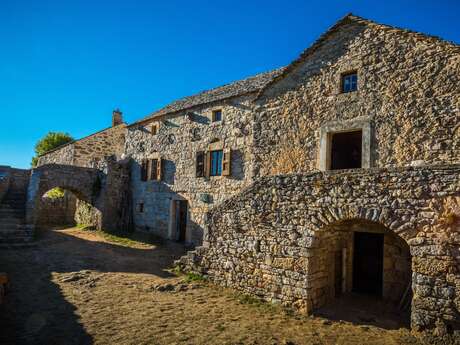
(77, 287)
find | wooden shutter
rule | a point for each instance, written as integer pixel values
(144, 170)
(199, 166)
(154, 169)
(207, 164)
(227, 162)
(160, 169)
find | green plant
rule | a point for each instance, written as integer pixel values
(55, 193)
(194, 277)
(49, 142)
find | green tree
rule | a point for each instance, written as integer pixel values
(48, 142)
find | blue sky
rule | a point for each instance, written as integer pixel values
(64, 65)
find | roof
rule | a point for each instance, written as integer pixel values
(237, 88)
(349, 18)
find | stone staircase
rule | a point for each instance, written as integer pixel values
(13, 228)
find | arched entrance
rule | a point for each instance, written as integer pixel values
(368, 266)
(81, 185)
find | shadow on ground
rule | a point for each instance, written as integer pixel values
(35, 310)
(365, 310)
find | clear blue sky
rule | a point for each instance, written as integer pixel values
(64, 65)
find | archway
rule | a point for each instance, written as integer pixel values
(368, 273)
(81, 188)
(61, 208)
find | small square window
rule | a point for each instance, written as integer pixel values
(349, 82)
(217, 115)
(216, 162)
(154, 129)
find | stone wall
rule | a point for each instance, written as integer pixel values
(180, 137)
(61, 155)
(408, 96)
(273, 239)
(88, 151)
(57, 211)
(4, 181)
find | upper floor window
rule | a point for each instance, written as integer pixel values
(216, 163)
(349, 82)
(217, 115)
(346, 150)
(154, 128)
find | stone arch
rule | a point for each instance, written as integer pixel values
(330, 215)
(336, 259)
(84, 183)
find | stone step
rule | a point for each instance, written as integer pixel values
(11, 224)
(15, 240)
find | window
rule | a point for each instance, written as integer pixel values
(154, 169)
(141, 207)
(216, 163)
(346, 150)
(200, 156)
(154, 129)
(349, 82)
(217, 115)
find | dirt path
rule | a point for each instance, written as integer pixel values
(75, 287)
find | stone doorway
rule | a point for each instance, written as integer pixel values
(179, 216)
(368, 263)
(368, 267)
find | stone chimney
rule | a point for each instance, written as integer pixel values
(117, 118)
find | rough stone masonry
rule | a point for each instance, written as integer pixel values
(354, 145)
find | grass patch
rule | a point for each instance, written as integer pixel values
(194, 277)
(256, 302)
(124, 239)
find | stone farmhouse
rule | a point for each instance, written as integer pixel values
(338, 173)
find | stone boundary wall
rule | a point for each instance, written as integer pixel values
(267, 240)
(4, 181)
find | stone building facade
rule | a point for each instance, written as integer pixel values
(362, 137)
(297, 184)
(174, 205)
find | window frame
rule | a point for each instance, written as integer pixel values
(343, 78)
(214, 112)
(363, 123)
(217, 165)
(154, 169)
(155, 128)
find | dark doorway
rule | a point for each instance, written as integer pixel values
(338, 274)
(346, 150)
(368, 263)
(181, 219)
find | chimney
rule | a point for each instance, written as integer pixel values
(117, 118)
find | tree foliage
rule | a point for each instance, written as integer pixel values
(48, 142)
